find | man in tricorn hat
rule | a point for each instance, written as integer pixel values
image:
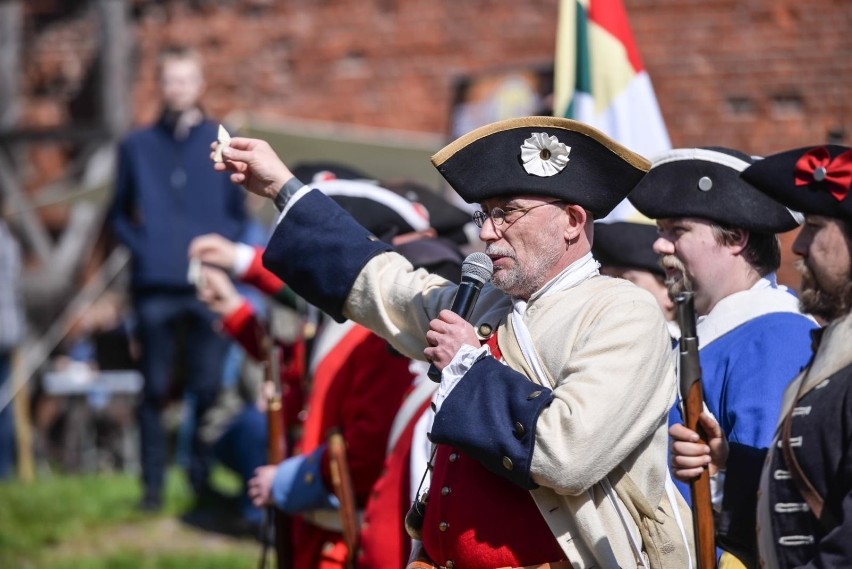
(804, 502)
(551, 412)
(717, 239)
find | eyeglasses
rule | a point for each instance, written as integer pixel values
(498, 215)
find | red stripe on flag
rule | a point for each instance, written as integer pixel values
(611, 16)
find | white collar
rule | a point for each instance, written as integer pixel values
(764, 297)
(583, 268)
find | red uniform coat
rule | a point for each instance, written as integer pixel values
(357, 387)
(465, 526)
(384, 541)
(242, 325)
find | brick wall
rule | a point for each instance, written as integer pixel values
(759, 75)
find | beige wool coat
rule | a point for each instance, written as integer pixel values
(607, 352)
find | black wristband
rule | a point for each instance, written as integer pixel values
(286, 192)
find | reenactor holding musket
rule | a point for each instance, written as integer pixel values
(795, 493)
(717, 239)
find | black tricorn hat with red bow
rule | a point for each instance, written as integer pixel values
(814, 179)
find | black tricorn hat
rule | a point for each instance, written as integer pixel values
(814, 179)
(706, 183)
(435, 254)
(447, 219)
(309, 172)
(384, 213)
(547, 156)
(627, 245)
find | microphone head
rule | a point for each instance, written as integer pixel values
(478, 267)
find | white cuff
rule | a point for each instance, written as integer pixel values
(717, 489)
(243, 258)
(455, 370)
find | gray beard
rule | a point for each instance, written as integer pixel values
(520, 282)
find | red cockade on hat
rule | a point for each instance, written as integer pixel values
(816, 165)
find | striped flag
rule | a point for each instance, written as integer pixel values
(599, 79)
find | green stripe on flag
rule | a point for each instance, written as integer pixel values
(583, 61)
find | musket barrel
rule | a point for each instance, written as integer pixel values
(692, 398)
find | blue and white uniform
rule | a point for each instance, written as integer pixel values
(751, 345)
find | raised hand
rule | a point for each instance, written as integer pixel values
(253, 165)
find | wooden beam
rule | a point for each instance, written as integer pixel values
(11, 24)
(116, 76)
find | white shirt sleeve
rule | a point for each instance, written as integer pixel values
(458, 366)
(243, 258)
(717, 489)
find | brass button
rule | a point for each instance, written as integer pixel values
(507, 463)
(485, 329)
(533, 395)
(450, 564)
(519, 429)
(445, 490)
(443, 526)
(327, 547)
(454, 457)
(309, 477)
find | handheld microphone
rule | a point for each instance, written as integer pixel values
(476, 271)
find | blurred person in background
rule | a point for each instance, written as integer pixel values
(165, 195)
(11, 334)
(626, 250)
(236, 426)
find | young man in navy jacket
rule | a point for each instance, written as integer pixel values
(165, 195)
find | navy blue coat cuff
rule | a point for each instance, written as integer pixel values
(491, 416)
(318, 249)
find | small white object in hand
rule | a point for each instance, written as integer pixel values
(224, 139)
(194, 275)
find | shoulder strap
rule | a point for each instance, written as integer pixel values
(803, 484)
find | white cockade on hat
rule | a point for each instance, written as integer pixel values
(543, 155)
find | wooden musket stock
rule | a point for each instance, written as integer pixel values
(693, 404)
(341, 480)
(276, 451)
